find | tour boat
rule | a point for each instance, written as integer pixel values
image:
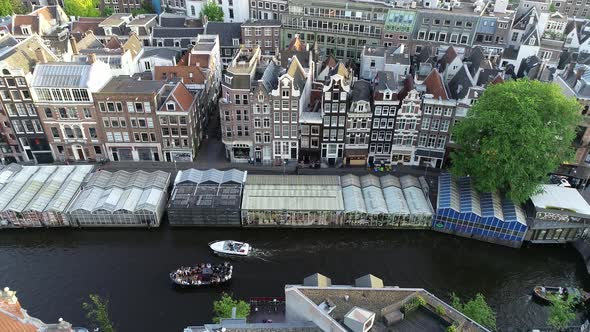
(545, 293)
(230, 247)
(202, 275)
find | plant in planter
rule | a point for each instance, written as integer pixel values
(440, 310)
(413, 304)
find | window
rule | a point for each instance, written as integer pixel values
(54, 132)
(444, 125)
(139, 107)
(86, 112)
(285, 93)
(440, 143)
(426, 123)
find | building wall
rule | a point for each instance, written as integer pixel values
(17, 101)
(382, 128)
(236, 124)
(434, 132)
(437, 27)
(74, 133)
(268, 9)
(407, 123)
(121, 6)
(127, 133)
(341, 28)
(334, 110)
(265, 36)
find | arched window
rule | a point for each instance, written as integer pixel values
(193, 10)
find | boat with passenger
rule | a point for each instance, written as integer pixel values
(547, 293)
(200, 275)
(230, 247)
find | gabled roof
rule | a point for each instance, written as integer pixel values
(435, 85)
(387, 80)
(531, 34)
(23, 54)
(114, 43)
(424, 55)
(134, 45)
(181, 97)
(89, 41)
(226, 31)
(450, 56)
(522, 21)
(115, 20)
(161, 52)
(476, 57)
(296, 44)
(341, 70)
(270, 76)
(361, 91)
(296, 71)
(459, 85)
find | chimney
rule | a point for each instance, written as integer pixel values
(74, 45)
(91, 58)
(41, 57)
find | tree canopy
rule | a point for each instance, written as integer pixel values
(213, 12)
(222, 308)
(81, 8)
(514, 135)
(97, 311)
(476, 309)
(5, 8)
(561, 314)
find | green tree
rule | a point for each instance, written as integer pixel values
(81, 8)
(476, 309)
(514, 135)
(97, 311)
(213, 12)
(5, 8)
(222, 308)
(107, 11)
(552, 8)
(18, 7)
(562, 313)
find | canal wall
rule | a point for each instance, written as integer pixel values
(583, 247)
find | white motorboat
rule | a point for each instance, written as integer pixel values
(230, 247)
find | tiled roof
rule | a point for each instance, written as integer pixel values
(114, 20)
(182, 96)
(184, 72)
(435, 86)
(227, 31)
(261, 23)
(89, 41)
(114, 43)
(134, 45)
(361, 91)
(23, 54)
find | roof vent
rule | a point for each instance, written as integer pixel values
(327, 306)
(359, 319)
(346, 297)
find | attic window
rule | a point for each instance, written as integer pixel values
(25, 29)
(170, 106)
(236, 42)
(387, 96)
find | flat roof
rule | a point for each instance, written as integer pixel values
(122, 84)
(558, 199)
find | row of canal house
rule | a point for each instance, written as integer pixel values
(294, 108)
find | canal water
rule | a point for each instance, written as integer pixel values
(55, 270)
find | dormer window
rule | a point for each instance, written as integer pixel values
(170, 106)
(236, 42)
(25, 29)
(387, 96)
(176, 43)
(108, 31)
(227, 79)
(532, 41)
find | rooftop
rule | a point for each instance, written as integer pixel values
(125, 85)
(335, 302)
(262, 23)
(557, 199)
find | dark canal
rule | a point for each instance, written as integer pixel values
(54, 271)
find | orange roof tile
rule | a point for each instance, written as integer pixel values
(183, 96)
(296, 44)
